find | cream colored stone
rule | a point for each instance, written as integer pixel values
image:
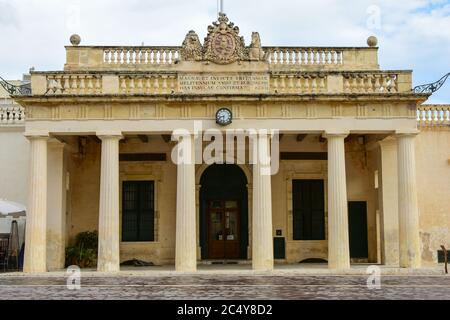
(388, 196)
(186, 241)
(35, 260)
(142, 91)
(338, 242)
(56, 199)
(108, 242)
(407, 203)
(262, 252)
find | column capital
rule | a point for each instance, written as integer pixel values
(407, 133)
(55, 144)
(31, 135)
(335, 134)
(105, 135)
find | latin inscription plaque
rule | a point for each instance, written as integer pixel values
(223, 83)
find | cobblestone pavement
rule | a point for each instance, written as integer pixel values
(228, 287)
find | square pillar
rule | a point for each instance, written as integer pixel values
(109, 237)
(35, 260)
(338, 238)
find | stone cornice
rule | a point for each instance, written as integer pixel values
(164, 98)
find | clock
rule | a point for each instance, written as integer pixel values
(224, 117)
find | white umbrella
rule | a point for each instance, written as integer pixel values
(12, 209)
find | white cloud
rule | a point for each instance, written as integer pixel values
(413, 34)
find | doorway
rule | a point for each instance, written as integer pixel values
(358, 231)
(223, 229)
(224, 213)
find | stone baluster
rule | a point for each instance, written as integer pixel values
(139, 85)
(283, 83)
(164, 84)
(306, 84)
(286, 58)
(156, 84)
(347, 87)
(98, 84)
(314, 84)
(279, 57)
(275, 84)
(299, 84)
(322, 84)
(148, 84)
(298, 57)
(291, 83)
(123, 84)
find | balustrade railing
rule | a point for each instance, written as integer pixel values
(370, 83)
(10, 115)
(304, 56)
(429, 115)
(74, 84)
(279, 58)
(141, 55)
(296, 83)
(166, 82)
(148, 84)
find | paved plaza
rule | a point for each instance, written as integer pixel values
(228, 285)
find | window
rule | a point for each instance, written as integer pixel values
(308, 209)
(138, 211)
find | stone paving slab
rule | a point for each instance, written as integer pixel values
(228, 287)
(280, 270)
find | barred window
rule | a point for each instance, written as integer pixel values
(138, 211)
(308, 209)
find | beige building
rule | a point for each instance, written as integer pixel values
(356, 181)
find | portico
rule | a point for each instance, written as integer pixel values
(118, 112)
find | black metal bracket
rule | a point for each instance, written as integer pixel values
(13, 90)
(431, 87)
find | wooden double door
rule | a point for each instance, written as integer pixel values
(223, 221)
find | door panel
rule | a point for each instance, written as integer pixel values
(223, 230)
(357, 221)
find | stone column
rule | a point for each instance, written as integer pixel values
(388, 201)
(35, 260)
(407, 202)
(109, 237)
(186, 230)
(56, 213)
(262, 235)
(338, 239)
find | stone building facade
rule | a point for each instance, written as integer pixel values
(355, 182)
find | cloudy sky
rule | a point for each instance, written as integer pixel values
(413, 34)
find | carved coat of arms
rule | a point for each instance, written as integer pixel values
(223, 45)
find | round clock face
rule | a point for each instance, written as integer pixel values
(224, 117)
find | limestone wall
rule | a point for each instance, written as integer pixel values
(14, 151)
(433, 175)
